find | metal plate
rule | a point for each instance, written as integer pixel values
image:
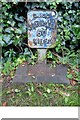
(41, 28)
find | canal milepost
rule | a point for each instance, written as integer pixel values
(42, 31)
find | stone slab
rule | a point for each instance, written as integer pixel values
(41, 73)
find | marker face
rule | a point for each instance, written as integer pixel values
(41, 28)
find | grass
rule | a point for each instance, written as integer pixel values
(42, 94)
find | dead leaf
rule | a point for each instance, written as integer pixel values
(72, 82)
(39, 92)
(30, 74)
(4, 104)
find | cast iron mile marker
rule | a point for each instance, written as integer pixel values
(41, 30)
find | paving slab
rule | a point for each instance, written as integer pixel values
(41, 72)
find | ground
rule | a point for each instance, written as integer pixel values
(42, 94)
(38, 94)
